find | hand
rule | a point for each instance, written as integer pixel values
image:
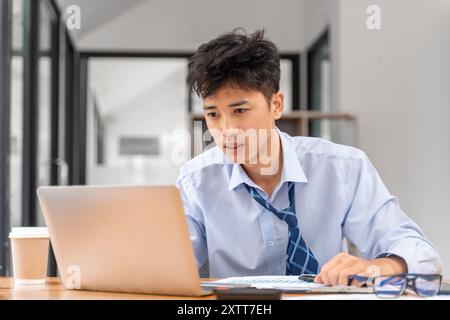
(337, 270)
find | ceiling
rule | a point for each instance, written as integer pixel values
(97, 13)
(182, 25)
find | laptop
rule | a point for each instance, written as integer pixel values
(121, 239)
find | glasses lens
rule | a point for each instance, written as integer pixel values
(389, 286)
(428, 286)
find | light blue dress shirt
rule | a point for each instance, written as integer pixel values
(339, 195)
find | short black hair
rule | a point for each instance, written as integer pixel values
(248, 61)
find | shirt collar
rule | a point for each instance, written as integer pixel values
(291, 171)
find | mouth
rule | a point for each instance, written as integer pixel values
(232, 146)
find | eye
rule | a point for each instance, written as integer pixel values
(240, 110)
(212, 115)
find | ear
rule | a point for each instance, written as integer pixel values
(277, 105)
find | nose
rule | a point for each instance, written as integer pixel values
(228, 128)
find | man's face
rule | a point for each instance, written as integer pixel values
(241, 121)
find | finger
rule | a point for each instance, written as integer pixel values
(327, 266)
(318, 279)
(346, 272)
(353, 263)
(332, 275)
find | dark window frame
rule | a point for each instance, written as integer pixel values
(5, 123)
(31, 56)
(312, 53)
(293, 56)
(322, 40)
(85, 55)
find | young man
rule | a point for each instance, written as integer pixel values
(264, 203)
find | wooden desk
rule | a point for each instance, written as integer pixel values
(54, 290)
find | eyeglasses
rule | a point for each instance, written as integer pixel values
(424, 285)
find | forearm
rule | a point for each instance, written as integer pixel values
(390, 265)
(417, 253)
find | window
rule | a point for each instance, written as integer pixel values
(136, 107)
(319, 84)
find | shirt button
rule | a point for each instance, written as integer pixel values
(271, 243)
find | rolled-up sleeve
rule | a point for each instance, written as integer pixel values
(195, 221)
(378, 227)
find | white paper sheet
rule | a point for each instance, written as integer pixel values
(285, 283)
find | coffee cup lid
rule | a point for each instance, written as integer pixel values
(29, 232)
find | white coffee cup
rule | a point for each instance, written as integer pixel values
(29, 248)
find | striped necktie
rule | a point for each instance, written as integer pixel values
(299, 258)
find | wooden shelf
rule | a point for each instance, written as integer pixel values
(297, 115)
(297, 122)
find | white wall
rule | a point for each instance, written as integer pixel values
(397, 81)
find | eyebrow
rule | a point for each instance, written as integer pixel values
(233, 104)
